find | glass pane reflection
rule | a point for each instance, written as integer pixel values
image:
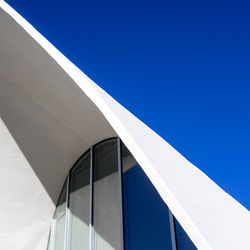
(58, 228)
(106, 197)
(79, 204)
(146, 216)
(183, 241)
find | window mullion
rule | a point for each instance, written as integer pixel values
(120, 191)
(172, 230)
(91, 201)
(67, 217)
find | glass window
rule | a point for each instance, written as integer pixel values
(58, 227)
(106, 197)
(79, 204)
(182, 239)
(146, 216)
(146, 223)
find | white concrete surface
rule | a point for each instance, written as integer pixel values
(55, 112)
(26, 208)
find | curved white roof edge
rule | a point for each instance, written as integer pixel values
(211, 217)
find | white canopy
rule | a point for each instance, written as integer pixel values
(51, 113)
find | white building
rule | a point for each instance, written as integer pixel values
(121, 178)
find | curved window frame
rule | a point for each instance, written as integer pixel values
(67, 232)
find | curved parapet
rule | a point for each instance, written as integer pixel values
(54, 112)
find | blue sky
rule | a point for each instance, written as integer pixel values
(182, 67)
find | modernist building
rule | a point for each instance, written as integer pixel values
(80, 172)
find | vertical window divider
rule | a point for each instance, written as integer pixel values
(91, 201)
(51, 236)
(120, 191)
(66, 233)
(172, 230)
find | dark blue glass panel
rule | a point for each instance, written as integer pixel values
(146, 216)
(183, 241)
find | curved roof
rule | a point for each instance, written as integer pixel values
(54, 113)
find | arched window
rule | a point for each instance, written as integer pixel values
(108, 203)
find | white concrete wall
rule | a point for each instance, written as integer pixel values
(23, 225)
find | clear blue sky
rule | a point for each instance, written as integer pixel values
(182, 67)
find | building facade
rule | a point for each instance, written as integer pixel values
(79, 171)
